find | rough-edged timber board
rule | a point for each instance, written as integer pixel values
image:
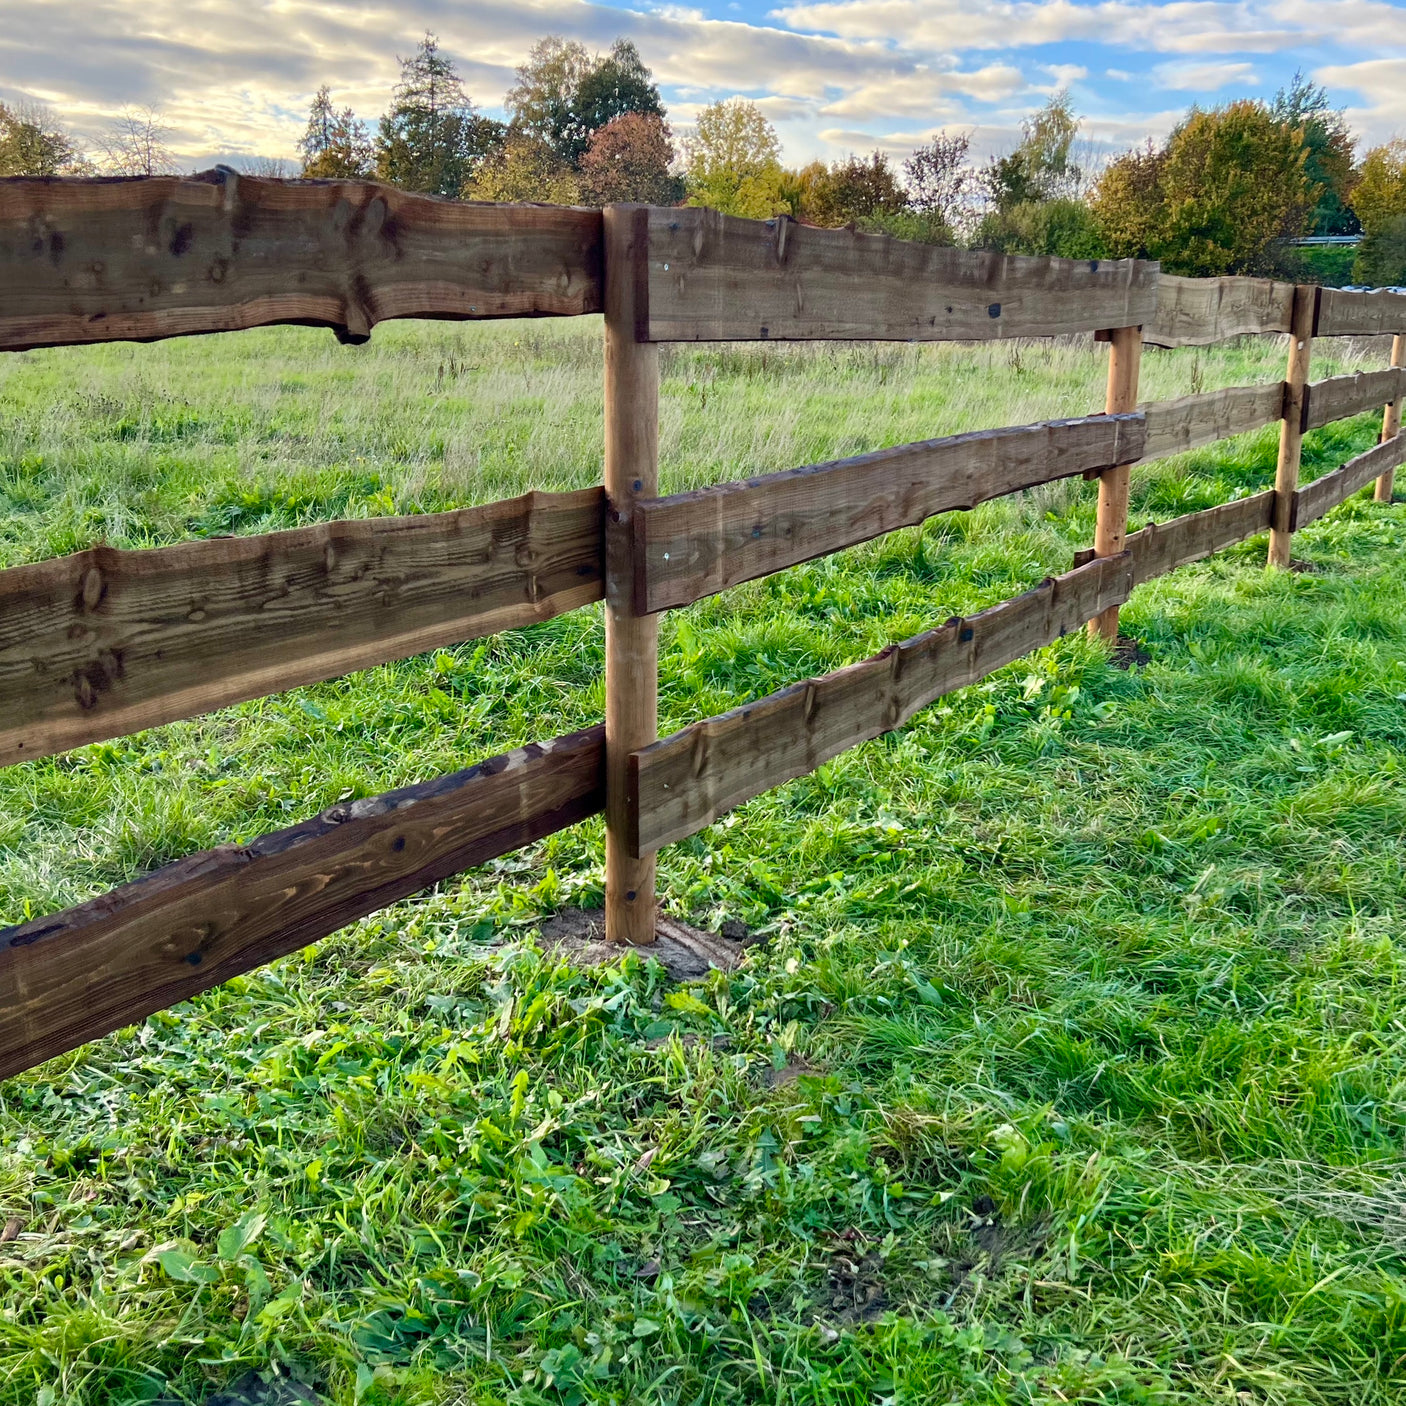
(1345, 313)
(106, 642)
(1174, 426)
(1163, 546)
(164, 256)
(714, 277)
(1341, 396)
(1195, 312)
(695, 544)
(684, 782)
(1316, 498)
(111, 962)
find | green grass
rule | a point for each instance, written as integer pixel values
(1074, 1068)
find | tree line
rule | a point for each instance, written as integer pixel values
(1223, 193)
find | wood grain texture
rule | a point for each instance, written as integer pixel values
(1196, 312)
(1391, 423)
(1286, 469)
(1111, 523)
(1174, 426)
(1341, 396)
(716, 277)
(695, 544)
(686, 781)
(1162, 547)
(631, 635)
(1346, 313)
(111, 962)
(106, 642)
(164, 256)
(1325, 493)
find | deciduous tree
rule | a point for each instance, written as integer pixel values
(525, 168)
(631, 159)
(137, 144)
(1329, 166)
(734, 161)
(32, 143)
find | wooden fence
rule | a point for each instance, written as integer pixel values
(105, 642)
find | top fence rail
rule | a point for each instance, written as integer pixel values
(84, 261)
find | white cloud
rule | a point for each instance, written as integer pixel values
(1203, 77)
(1383, 83)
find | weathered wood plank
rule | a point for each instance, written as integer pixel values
(1195, 312)
(1174, 426)
(714, 277)
(696, 544)
(1341, 396)
(686, 781)
(1343, 312)
(1163, 546)
(93, 969)
(164, 256)
(106, 642)
(1323, 494)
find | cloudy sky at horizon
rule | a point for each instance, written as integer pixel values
(234, 77)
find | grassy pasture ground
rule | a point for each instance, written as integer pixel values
(1074, 1068)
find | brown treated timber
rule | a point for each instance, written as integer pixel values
(1286, 470)
(1341, 396)
(1344, 313)
(1391, 422)
(695, 544)
(1318, 497)
(686, 781)
(631, 634)
(164, 256)
(111, 962)
(1111, 523)
(716, 277)
(1174, 426)
(106, 642)
(1195, 312)
(1164, 546)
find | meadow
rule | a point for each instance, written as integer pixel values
(1069, 1066)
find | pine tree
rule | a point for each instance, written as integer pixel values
(335, 146)
(433, 138)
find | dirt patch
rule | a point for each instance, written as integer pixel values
(686, 952)
(855, 1284)
(252, 1390)
(788, 1073)
(1127, 652)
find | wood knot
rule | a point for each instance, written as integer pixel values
(93, 588)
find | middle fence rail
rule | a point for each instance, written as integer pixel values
(107, 642)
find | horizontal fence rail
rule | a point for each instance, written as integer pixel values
(1196, 312)
(686, 781)
(1348, 313)
(1162, 547)
(106, 642)
(1311, 502)
(105, 964)
(1174, 426)
(713, 277)
(149, 257)
(696, 544)
(1342, 396)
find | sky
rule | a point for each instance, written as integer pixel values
(233, 78)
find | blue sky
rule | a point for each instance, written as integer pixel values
(234, 77)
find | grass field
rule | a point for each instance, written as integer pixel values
(1073, 1068)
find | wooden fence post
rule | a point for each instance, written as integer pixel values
(1124, 362)
(631, 640)
(1391, 423)
(1286, 473)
